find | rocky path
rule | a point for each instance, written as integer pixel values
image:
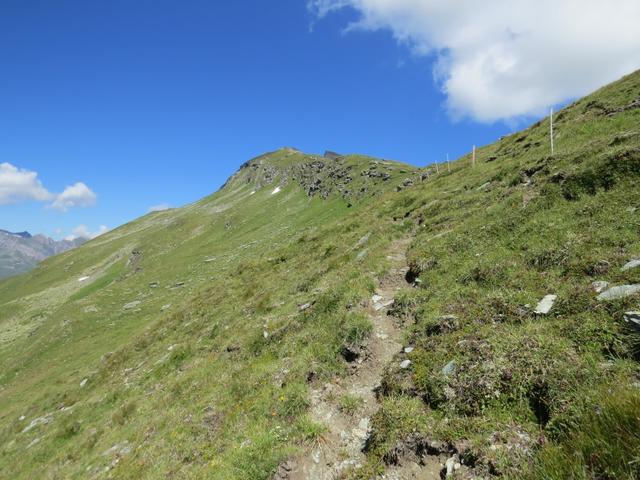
(340, 448)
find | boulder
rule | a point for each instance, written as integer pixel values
(621, 291)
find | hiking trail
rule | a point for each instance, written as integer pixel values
(341, 448)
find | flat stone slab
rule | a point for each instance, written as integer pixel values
(132, 305)
(449, 368)
(632, 264)
(546, 304)
(621, 291)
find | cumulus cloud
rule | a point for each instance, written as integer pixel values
(504, 59)
(159, 208)
(78, 195)
(81, 231)
(17, 184)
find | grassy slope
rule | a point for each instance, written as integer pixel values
(199, 390)
(187, 386)
(496, 238)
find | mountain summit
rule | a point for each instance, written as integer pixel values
(343, 316)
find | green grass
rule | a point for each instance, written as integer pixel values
(604, 444)
(349, 404)
(216, 385)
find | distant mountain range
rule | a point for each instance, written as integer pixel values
(21, 251)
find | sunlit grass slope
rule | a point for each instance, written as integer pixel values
(189, 350)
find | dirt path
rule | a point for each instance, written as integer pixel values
(341, 447)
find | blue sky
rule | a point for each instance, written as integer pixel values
(149, 102)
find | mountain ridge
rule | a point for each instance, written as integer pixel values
(20, 252)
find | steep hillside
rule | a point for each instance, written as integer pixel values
(347, 316)
(20, 252)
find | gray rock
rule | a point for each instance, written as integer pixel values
(408, 349)
(33, 442)
(632, 264)
(405, 364)
(361, 254)
(304, 307)
(449, 368)
(165, 307)
(621, 291)
(380, 305)
(83, 382)
(363, 240)
(119, 449)
(545, 305)
(451, 466)
(599, 286)
(44, 420)
(284, 470)
(633, 319)
(132, 305)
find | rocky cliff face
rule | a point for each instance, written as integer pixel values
(20, 252)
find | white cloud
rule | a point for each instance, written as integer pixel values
(78, 195)
(18, 185)
(503, 59)
(81, 231)
(159, 208)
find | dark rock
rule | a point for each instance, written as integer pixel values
(633, 319)
(283, 471)
(332, 155)
(443, 324)
(599, 268)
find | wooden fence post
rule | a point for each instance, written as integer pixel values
(551, 130)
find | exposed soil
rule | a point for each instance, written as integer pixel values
(340, 448)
